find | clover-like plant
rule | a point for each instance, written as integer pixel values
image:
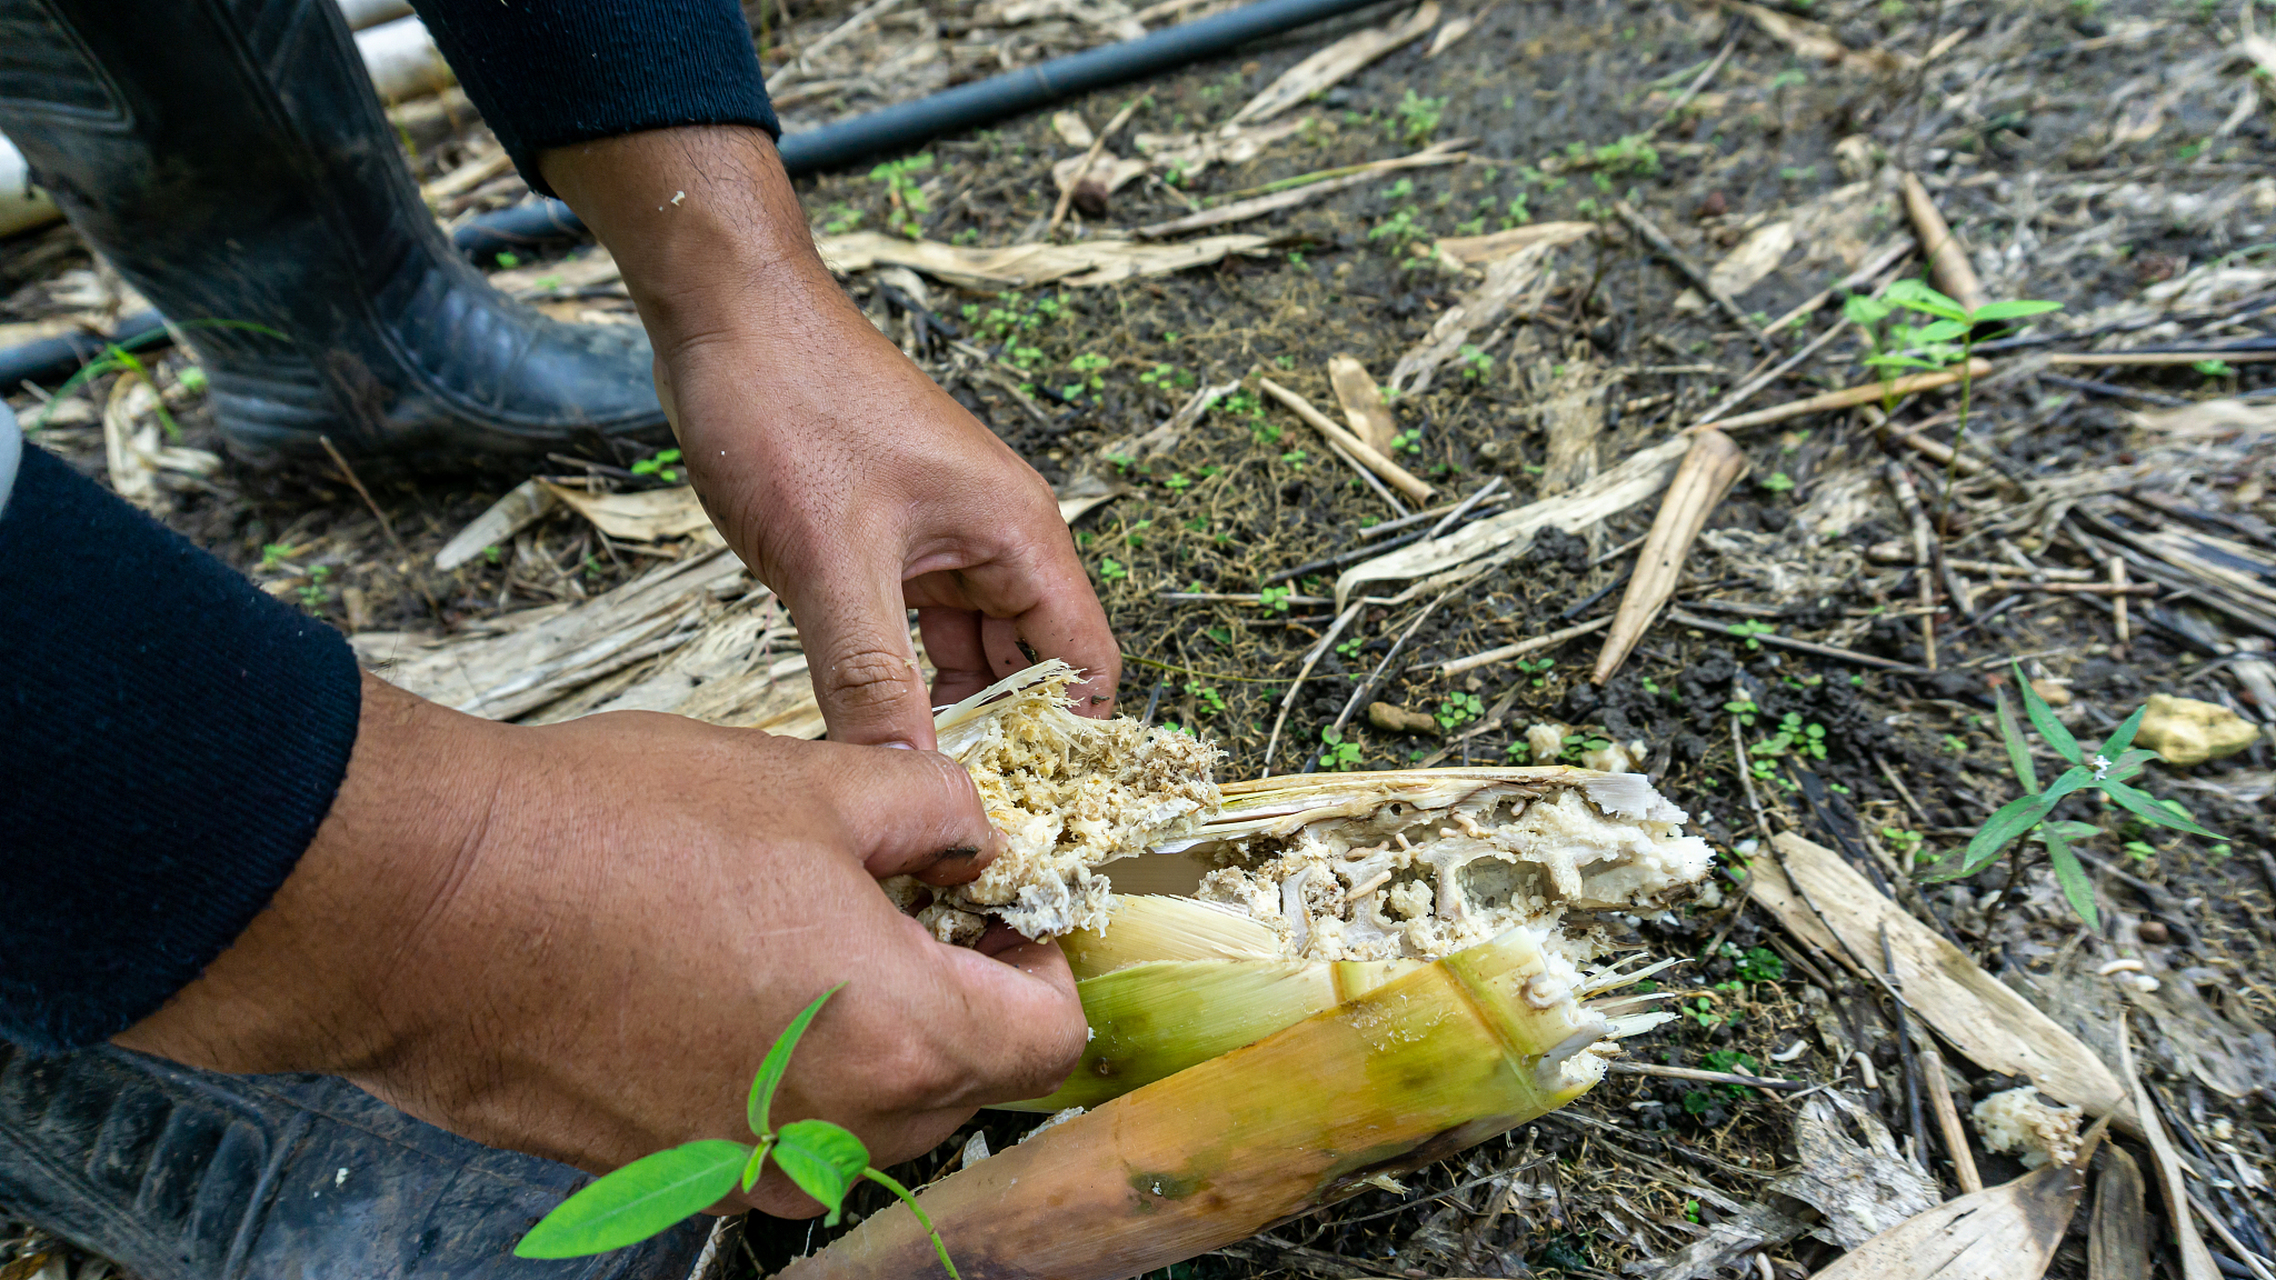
(657, 1192)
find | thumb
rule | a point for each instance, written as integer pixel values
(855, 631)
(912, 813)
(1025, 1019)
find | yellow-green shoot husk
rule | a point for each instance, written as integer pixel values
(1419, 1068)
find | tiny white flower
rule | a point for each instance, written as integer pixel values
(2101, 767)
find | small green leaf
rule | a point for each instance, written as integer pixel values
(1901, 362)
(2075, 830)
(823, 1159)
(1940, 331)
(777, 1061)
(756, 1165)
(2013, 310)
(2018, 751)
(2122, 737)
(2043, 719)
(2078, 775)
(2001, 830)
(2130, 762)
(1865, 311)
(2072, 877)
(2148, 810)
(1917, 295)
(643, 1198)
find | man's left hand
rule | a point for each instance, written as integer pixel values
(844, 476)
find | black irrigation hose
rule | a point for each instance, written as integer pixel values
(967, 106)
(536, 223)
(51, 359)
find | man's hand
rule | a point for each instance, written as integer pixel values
(847, 480)
(579, 940)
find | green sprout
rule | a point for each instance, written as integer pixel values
(1748, 631)
(903, 193)
(1538, 668)
(1778, 482)
(1342, 754)
(659, 466)
(1418, 117)
(1949, 339)
(1577, 745)
(2214, 368)
(1112, 570)
(2106, 771)
(657, 1192)
(315, 594)
(1759, 964)
(1276, 597)
(1459, 709)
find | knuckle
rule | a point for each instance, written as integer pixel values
(914, 1078)
(872, 678)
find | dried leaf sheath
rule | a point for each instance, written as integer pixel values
(1422, 1067)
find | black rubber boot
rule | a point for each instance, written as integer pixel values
(229, 157)
(180, 1174)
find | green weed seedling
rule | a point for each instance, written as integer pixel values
(1538, 668)
(1275, 598)
(1459, 709)
(2106, 771)
(1748, 631)
(119, 357)
(1948, 339)
(1759, 964)
(1342, 754)
(1577, 745)
(315, 595)
(660, 466)
(1418, 117)
(901, 189)
(1086, 369)
(657, 1192)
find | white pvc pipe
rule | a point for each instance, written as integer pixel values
(401, 57)
(403, 60)
(370, 13)
(22, 205)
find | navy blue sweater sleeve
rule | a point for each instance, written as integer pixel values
(545, 73)
(170, 739)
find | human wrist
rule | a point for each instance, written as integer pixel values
(312, 983)
(705, 227)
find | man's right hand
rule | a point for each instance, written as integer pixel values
(579, 940)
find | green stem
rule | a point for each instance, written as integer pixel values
(881, 1178)
(1959, 432)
